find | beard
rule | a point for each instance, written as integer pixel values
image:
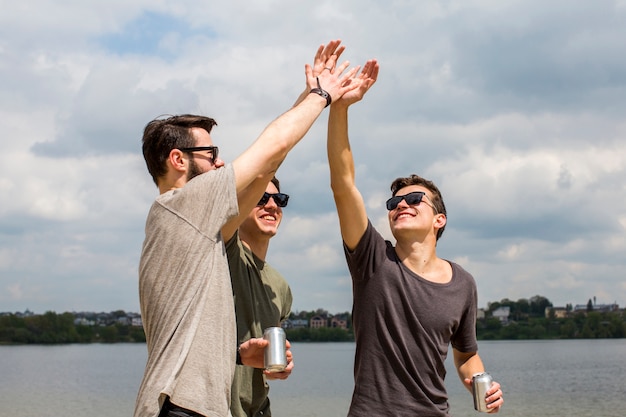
(194, 170)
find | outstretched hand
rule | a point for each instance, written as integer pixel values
(323, 55)
(325, 60)
(327, 74)
(361, 83)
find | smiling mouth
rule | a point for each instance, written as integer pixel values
(403, 215)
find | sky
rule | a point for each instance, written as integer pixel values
(514, 109)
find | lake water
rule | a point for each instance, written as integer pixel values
(573, 378)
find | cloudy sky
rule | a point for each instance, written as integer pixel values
(515, 109)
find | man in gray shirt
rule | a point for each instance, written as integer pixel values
(184, 284)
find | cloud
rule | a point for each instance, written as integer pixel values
(514, 109)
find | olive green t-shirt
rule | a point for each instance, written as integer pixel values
(262, 299)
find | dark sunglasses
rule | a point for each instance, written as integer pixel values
(279, 198)
(213, 149)
(413, 198)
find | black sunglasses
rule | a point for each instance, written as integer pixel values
(413, 198)
(213, 149)
(279, 198)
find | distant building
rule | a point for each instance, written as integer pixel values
(480, 314)
(295, 324)
(601, 308)
(26, 313)
(82, 321)
(559, 312)
(124, 321)
(339, 321)
(317, 322)
(502, 314)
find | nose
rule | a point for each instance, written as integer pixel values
(271, 203)
(219, 162)
(402, 203)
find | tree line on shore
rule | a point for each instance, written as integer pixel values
(527, 320)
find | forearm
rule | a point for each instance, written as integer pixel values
(348, 200)
(340, 158)
(467, 364)
(261, 160)
(302, 96)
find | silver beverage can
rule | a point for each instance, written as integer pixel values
(276, 350)
(480, 385)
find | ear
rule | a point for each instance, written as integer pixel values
(177, 160)
(440, 221)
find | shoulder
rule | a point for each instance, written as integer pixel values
(275, 276)
(460, 272)
(371, 237)
(457, 268)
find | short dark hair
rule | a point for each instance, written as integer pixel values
(162, 135)
(437, 199)
(276, 183)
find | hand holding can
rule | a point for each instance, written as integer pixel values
(481, 383)
(276, 350)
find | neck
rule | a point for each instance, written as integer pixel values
(417, 255)
(258, 246)
(421, 258)
(172, 181)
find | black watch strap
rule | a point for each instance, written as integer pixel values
(319, 90)
(323, 94)
(238, 360)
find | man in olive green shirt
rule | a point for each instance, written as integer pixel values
(262, 297)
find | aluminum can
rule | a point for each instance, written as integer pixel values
(481, 383)
(276, 350)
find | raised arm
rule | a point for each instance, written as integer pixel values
(255, 167)
(348, 199)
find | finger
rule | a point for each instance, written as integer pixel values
(375, 70)
(495, 387)
(326, 53)
(319, 51)
(258, 343)
(338, 52)
(331, 62)
(370, 69)
(341, 68)
(318, 60)
(331, 47)
(349, 75)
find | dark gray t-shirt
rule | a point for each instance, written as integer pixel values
(403, 325)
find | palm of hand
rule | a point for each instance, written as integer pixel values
(364, 81)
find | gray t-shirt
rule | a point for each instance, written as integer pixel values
(186, 298)
(403, 325)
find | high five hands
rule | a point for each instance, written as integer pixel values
(327, 74)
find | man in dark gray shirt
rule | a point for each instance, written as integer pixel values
(409, 304)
